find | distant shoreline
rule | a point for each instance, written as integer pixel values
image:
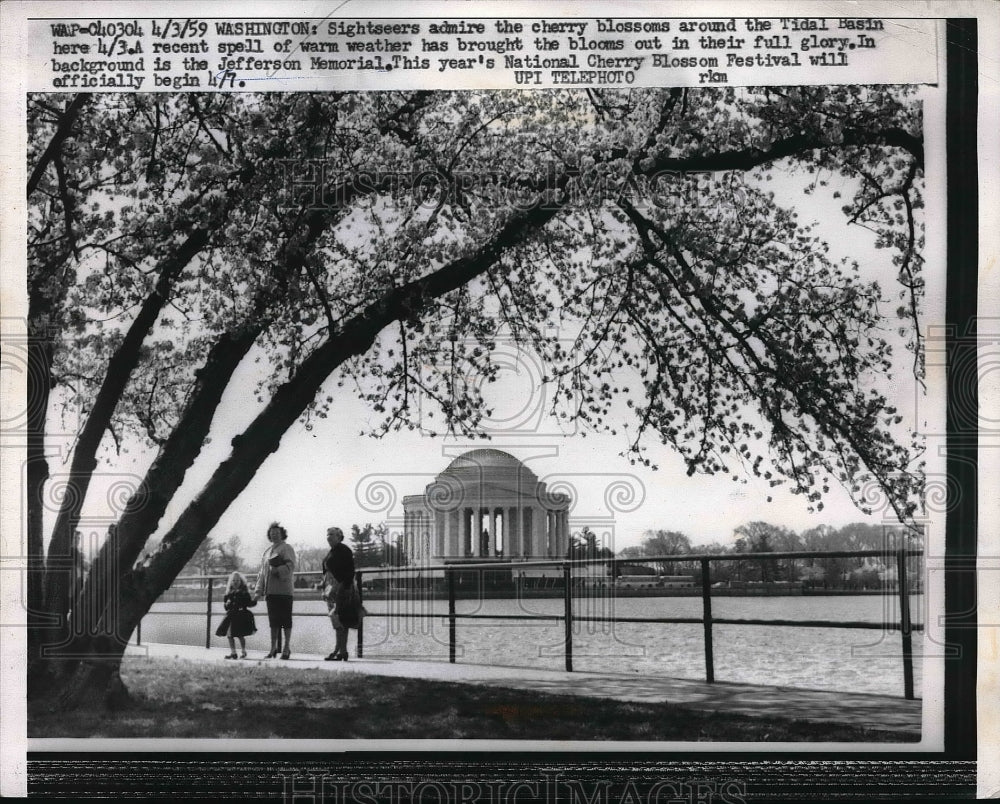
(184, 594)
(592, 593)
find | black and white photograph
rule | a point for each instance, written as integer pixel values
(578, 416)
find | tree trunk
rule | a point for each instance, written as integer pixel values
(89, 677)
(39, 386)
(89, 684)
(42, 335)
(37, 474)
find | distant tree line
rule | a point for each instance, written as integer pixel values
(762, 537)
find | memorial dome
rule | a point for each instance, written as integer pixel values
(479, 459)
(486, 505)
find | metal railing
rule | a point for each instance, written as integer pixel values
(451, 572)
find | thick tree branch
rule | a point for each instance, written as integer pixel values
(355, 337)
(748, 158)
(63, 130)
(148, 503)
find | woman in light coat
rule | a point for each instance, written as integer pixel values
(275, 585)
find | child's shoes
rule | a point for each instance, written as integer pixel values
(231, 656)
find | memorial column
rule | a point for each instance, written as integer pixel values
(407, 525)
(449, 533)
(439, 534)
(455, 527)
(526, 531)
(538, 531)
(477, 532)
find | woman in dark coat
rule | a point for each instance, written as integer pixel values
(239, 621)
(338, 590)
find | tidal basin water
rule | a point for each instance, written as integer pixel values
(818, 658)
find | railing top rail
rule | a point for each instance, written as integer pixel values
(579, 562)
(675, 559)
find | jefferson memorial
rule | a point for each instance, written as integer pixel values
(486, 505)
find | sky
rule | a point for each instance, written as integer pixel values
(329, 475)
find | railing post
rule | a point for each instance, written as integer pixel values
(706, 607)
(904, 623)
(208, 614)
(450, 574)
(138, 633)
(361, 620)
(568, 618)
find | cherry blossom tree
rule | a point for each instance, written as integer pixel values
(378, 244)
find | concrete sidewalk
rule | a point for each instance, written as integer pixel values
(881, 712)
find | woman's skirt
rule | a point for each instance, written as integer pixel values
(279, 611)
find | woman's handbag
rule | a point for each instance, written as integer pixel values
(329, 588)
(348, 606)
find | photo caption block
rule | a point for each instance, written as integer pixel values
(312, 54)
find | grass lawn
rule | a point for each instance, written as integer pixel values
(176, 698)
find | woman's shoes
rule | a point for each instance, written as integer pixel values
(285, 655)
(243, 655)
(271, 655)
(231, 656)
(337, 656)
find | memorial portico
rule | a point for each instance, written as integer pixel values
(485, 505)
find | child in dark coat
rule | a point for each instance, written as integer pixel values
(239, 621)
